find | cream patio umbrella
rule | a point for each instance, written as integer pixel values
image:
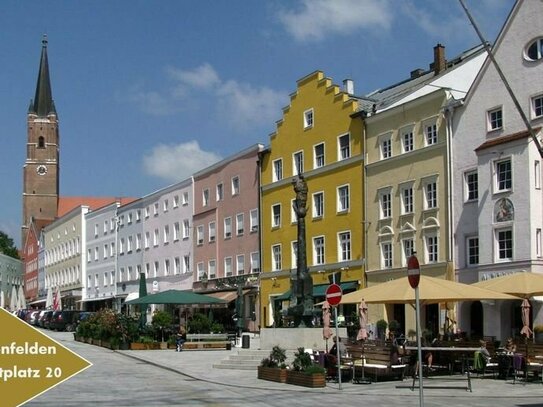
(431, 290)
(2, 299)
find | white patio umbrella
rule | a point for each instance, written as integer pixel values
(21, 300)
(49, 299)
(13, 299)
(57, 300)
(2, 299)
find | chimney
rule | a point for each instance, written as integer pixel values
(348, 86)
(440, 64)
(416, 73)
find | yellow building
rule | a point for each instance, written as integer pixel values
(408, 181)
(317, 137)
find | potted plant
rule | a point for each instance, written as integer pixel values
(394, 327)
(273, 367)
(304, 372)
(381, 326)
(161, 320)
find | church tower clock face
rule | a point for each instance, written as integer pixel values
(41, 170)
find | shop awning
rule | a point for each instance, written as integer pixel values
(227, 296)
(320, 290)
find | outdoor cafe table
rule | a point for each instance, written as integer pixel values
(462, 351)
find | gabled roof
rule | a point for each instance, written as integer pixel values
(68, 203)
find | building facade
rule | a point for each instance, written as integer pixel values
(317, 137)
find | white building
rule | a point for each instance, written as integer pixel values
(497, 199)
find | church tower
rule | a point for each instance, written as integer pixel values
(41, 168)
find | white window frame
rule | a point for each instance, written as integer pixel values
(318, 205)
(430, 191)
(472, 251)
(228, 268)
(253, 220)
(506, 181)
(240, 264)
(385, 203)
(430, 132)
(294, 254)
(536, 103)
(235, 185)
(298, 163)
(386, 255)
(501, 251)
(309, 118)
(205, 197)
(200, 235)
(538, 45)
(537, 174)
(255, 262)
(471, 186)
(176, 231)
(343, 198)
(431, 245)
(407, 198)
(240, 224)
(212, 268)
(408, 248)
(494, 118)
(344, 245)
(277, 170)
(186, 228)
(185, 200)
(319, 251)
(200, 270)
(385, 146)
(212, 229)
(293, 216)
(219, 192)
(276, 216)
(228, 227)
(276, 257)
(407, 139)
(319, 159)
(186, 263)
(344, 151)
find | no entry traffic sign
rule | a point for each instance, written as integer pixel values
(413, 271)
(333, 294)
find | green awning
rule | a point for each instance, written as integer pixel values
(178, 297)
(320, 290)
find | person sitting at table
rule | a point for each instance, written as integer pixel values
(330, 358)
(510, 346)
(334, 348)
(484, 351)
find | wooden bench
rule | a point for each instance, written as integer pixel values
(207, 342)
(375, 361)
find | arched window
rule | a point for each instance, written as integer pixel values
(41, 142)
(534, 50)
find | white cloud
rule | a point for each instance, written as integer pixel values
(319, 18)
(178, 162)
(150, 102)
(204, 76)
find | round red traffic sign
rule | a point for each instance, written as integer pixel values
(333, 294)
(413, 271)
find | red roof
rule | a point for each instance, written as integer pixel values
(506, 139)
(67, 203)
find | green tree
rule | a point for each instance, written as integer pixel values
(7, 246)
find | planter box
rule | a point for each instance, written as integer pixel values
(306, 380)
(272, 374)
(137, 346)
(97, 342)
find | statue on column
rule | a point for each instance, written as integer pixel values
(301, 300)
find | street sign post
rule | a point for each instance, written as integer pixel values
(413, 275)
(334, 294)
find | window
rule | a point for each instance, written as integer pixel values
(156, 269)
(200, 270)
(212, 268)
(175, 201)
(147, 240)
(176, 230)
(318, 250)
(106, 226)
(294, 254)
(278, 169)
(408, 248)
(276, 215)
(240, 264)
(343, 198)
(407, 199)
(319, 155)
(138, 215)
(129, 244)
(318, 204)
(228, 266)
(41, 142)
(220, 192)
(537, 106)
(504, 239)
(138, 241)
(167, 268)
(235, 186)
(254, 220)
(155, 209)
(471, 185)
(472, 248)
(200, 234)
(165, 207)
(537, 174)
(430, 195)
(185, 198)
(298, 163)
(96, 230)
(212, 231)
(431, 249)
(386, 255)
(166, 234)
(430, 134)
(147, 270)
(538, 242)
(176, 266)
(186, 264)
(503, 175)
(276, 257)
(239, 224)
(105, 251)
(534, 50)
(344, 243)
(255, 262)
(205, 197)
(386, 146)
(495, 120)
(385, 204)
(121, 246)
(186, 228)
(146, 212)
(407, 141)
(308, 119)
(344, 143)
(155, 238)
(227, 228)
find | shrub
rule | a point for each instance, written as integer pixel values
(276, 358)
(199, 323)
(161, 320)
(302, 360)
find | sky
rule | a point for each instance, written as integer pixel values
(148, 92)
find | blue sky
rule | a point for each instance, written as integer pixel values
(148, 92)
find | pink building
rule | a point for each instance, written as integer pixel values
(226, 233)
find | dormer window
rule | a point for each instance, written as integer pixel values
(308, 119)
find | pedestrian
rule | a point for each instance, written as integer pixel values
(181, 338)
